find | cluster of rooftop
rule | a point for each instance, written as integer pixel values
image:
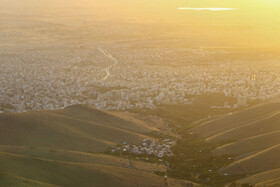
(148, 147)
(54, 78)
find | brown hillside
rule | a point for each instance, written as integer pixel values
(262, 161)
(239, 119)
(248, 145)
(87, 130)
(264, 179)
(254, 141)
(55, 148)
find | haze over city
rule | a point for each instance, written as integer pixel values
(139, 93)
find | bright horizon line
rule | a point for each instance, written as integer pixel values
(208, 8)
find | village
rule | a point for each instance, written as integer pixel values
(148, 147)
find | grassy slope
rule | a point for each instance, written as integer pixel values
(261, 161)
(247, 145)
(68, 168)
(240, 119)
(268, 179)
(48, 137)
(14, 180)
(79, 157)
(106, 118)
(54, 148)
(88, 130)
(254, 139)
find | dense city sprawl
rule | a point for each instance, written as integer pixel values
(43, 78)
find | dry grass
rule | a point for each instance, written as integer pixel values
(264, 179)
(265, 160)
(55, 148)
(254, 136)
(87, 130)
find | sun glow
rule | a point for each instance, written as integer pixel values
(211, 9)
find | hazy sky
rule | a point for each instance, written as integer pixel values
(250, 22)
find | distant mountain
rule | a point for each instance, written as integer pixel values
(252, 137)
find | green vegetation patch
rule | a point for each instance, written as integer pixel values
(194, 160)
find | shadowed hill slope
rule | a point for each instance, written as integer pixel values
(248, 145)
(238, 120)
(261, 161)
(50, 167)
(253, 137)
(55, 148)
(268, 179)
(75, 128)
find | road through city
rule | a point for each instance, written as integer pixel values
(107, 69)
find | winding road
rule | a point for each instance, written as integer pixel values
(107, 70)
